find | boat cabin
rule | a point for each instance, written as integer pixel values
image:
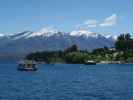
(27, 65)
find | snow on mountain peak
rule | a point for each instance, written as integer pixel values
(2, 35)
(112, 37)
(86, 33)
(24, 34)
(45, 32)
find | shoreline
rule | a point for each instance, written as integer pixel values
(102, 62)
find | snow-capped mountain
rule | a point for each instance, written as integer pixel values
(20, 44)
(2, 35)
(46, 32)
(21, 35)
(111, 37)
(84, 33)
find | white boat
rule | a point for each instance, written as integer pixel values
(90, 62)
(27, 65)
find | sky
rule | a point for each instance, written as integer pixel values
(102, 16)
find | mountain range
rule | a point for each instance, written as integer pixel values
(16, 46)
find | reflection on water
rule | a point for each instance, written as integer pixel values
(67, 82)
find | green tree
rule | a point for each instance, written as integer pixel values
(123, 42)
(73, 48)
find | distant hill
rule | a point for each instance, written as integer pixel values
(16, 46)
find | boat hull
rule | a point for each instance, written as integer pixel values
(90, 63)
(27, 69)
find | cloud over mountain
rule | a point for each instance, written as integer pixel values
(94, 23)
(91, 23)
(109, 21)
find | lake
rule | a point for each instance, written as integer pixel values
(67, 82)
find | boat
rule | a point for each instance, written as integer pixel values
(27, 65)
(90, 62)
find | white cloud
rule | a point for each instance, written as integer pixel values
(109, 21)
(91, 23)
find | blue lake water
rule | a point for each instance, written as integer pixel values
(67, 82)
